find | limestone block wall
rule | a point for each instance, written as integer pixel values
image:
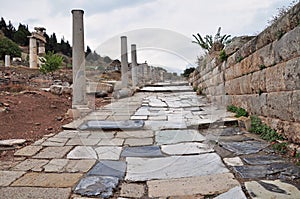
(262, 76)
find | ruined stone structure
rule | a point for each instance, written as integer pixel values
(37, 43)
(261, 75)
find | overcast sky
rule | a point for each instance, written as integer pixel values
(161, 29)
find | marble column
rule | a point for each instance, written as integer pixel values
(7, 60)
(134, 66)
(78, 61)
(33, 53)
(41, 49)
(124, 62)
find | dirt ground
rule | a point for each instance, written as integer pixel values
(26, 112)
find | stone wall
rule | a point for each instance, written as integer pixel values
(261, 74)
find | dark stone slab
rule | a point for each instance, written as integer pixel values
(285, 171)
(263, 159)
(143, 151)
(97, 186)
(247, 147)
(109, 168)
(231, 131)
(112, 125)
(247, 171)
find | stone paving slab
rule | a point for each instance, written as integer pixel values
(52, 180)
(100, 135)
(111, 142)
(177, 136)
(135, 134)
(108, 153)
(55, 141)
(83, 141)
(31, 165)
(97, 186)
(204, 185)
(268, 189)
(144, 151)
(138, 141)
(263, 159)
(247, 147)
(234, 193)
(186, 148)
(109, 168)
(69, 166)
(34, 193)
(142, 169)
(132, 190)
(28, 151)
(53, 152)
(235, 161)
(82, 152)
(7, 177)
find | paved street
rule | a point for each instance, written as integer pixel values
(163, 142)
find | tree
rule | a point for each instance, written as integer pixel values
(88, 51)
(8, 47)
(211, 43)
(21, 35)
(51, 62)
(188, 71)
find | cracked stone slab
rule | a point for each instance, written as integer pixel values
(7, 177)
(53, 180)
(263, 159)
(97, 186)
(247, 147)
(177, 136)
(203, 185)
(28, 151)
(112, 125)
(53, 152)
(142, 151)
(82, 152)
(236, 193)
(186, 148)
(31, 165)
(143, 169)
(109, 168)
(34, 192)
(108, 152)
(73, 125)
(268, 189)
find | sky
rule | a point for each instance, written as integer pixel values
(161, 29)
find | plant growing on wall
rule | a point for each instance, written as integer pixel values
(210, 43)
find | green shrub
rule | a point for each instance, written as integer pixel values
(239, 111)
(51, 62)
(263, 130)
(280, 147)
(223, 56)
(8, 47)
